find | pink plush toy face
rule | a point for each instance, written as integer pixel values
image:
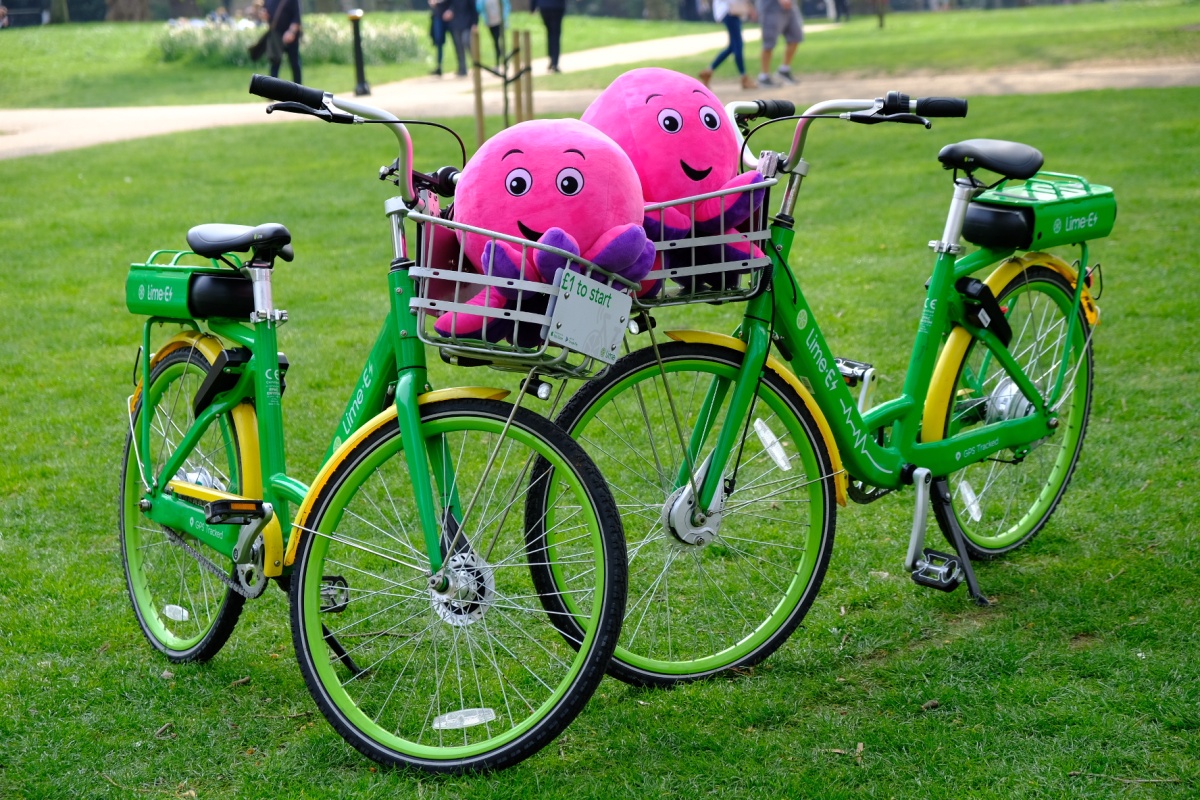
(672, 127)
(543, 174)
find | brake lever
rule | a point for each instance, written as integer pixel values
(911, 119)
(872, 118)
(320, 113)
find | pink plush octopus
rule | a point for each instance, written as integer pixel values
(682, 144)
(557, 182)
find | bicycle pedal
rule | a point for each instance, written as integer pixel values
(940, 571)
(237, 511)
(335, 594)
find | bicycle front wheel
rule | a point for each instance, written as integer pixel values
(1002, 503)
(705, 601)
(183, 606)
(467, 673)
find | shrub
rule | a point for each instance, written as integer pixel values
(328, 39)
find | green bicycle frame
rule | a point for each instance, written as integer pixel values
(783, 311)
(395, 367)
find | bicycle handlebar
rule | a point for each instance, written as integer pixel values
(325, 105)
(900, 107)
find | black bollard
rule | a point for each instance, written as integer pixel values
(361, 86)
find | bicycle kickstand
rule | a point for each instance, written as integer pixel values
(941, 571)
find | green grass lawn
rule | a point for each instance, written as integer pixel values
(1080, 682)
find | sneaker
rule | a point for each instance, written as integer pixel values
(785, 75)
(748, 82)
(765, 80)
(705, 76)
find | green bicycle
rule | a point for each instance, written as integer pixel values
(734, 451)
(410, 559)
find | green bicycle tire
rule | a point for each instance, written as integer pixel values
(1001, 504)
(695, 610)
(184, 611)
(478, 678)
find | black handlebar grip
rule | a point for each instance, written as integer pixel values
(446, 179)
(774, 109)
(286, 91)
(942, 106)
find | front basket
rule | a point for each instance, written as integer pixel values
(717, 256)
(570, 328)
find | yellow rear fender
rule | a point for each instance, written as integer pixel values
(1004, 273)
(781, 369)
(945, 374)
(245, 421)
(210, 346)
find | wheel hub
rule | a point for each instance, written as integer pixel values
(686, 523)
(201, 476)
(467, 591)
(1007, 402)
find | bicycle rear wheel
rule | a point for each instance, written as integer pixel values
(183, 608)
(1000, 504)
(473, 675)
(701, 604)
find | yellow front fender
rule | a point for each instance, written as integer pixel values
(779, 368)
(372, 425)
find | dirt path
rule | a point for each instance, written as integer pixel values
(26, 132)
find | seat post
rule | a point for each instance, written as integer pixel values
(264, 302)
(964, 190)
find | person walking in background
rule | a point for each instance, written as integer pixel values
(779, 17)
(437, 31)
(731, 12)
(552, 12)
(284, 35)
(843, 10)
(4, 21)
(494, 14)
(460, 18)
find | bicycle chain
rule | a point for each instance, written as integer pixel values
(205, 562)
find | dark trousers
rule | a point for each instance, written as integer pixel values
(734, 26)
(497, 32)
(275, 57)
(552, 18)
(437, 32)
(462, 47)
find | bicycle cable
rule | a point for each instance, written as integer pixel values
(462, 148)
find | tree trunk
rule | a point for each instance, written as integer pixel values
(128, 10)
(59, 11)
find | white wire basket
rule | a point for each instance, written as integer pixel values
(572, 327)
(712, 262)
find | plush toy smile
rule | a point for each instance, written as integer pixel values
(528, 232)
(693, 173)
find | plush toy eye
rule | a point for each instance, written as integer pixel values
(670, 120)
(570, 181)
(710, 118)
(518, 182)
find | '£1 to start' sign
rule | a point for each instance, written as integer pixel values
(589, 317)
